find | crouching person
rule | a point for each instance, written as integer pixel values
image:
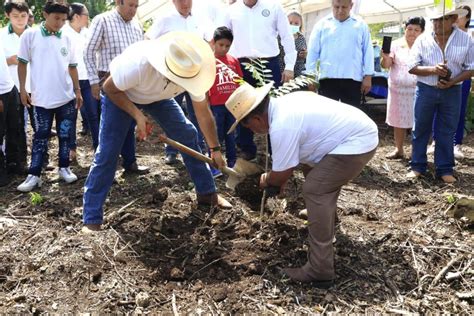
(146, 77)
(334, 141)
(55, 92)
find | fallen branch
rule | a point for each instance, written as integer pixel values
(173, 304)
(445, 269)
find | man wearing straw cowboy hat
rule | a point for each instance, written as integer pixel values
(333, 141)
(442, 60)
(146, 77)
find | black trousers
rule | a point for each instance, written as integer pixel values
(12, 129)
(344, 90)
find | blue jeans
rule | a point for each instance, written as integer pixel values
(112, 135)
(224, 120)
(65, 116)
(446, 104)
(245, 135)
(128, 148)
(459, 135)
(192, 117)
(90, 110)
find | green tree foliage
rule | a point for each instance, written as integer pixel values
(94, 6)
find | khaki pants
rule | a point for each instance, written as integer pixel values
(321, 190)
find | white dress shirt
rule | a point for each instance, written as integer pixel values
(174, 21)
(6, 81)
(79, 43)
(256, 30)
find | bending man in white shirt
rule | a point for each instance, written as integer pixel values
(323, 135)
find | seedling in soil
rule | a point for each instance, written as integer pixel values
(36, 198)
(450, 198)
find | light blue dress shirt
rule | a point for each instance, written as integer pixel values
(344, 49)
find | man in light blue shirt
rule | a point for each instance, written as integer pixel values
(342, 45)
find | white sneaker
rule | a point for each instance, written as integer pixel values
(431, 149)
(67, 175)
(30, 183)
(458, 154)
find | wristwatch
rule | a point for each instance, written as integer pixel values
(213, 149)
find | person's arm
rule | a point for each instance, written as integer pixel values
(207, 125)
(75, 82)
(93, 44)
(120, 99)
(12, 60)
(23, 60)
(288, 43)
(438, 70)
(368, 61)
(314, 48)
(275, 178)
(465, 75)
(387, 60)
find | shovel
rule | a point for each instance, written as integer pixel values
(242, 168)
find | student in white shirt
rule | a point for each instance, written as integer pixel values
(76, 29)
(182, 18)
(17, 13)
(55, 91)
(11, 119)
(323, 135)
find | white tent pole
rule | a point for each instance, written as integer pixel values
(399, 12)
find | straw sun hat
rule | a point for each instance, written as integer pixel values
(437, 12)
(245, 99)
(185, 59)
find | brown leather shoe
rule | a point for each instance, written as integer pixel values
(299, 275)
(136, 169)
(213, 199)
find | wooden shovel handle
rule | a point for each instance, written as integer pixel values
(195, 154)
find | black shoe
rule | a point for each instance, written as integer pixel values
(4, 178)
(171, 159)
(136, 169)
(248, 156)
(19, 168)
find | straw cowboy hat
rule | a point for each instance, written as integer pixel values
(437, 12)
(185, 59)
(244, 100)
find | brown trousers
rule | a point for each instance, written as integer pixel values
(321, 190)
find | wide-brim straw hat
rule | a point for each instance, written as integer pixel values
(244, 99)
(437, 12)
(185, 59)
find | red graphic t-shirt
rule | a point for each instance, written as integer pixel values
(224, 84)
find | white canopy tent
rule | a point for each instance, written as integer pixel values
(373, 11)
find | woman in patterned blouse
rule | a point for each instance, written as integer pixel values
(296, 25)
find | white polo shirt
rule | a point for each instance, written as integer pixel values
(6, 81)
(78, 40)
(133, 74)
(256, 30)
(173, 21)
(305, 127)
(11, 45)
(49, 57)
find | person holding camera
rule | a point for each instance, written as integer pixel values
(442, 60)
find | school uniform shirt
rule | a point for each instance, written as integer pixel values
(305, 127)
(225, 84)
(173, 21)
(11, 45)
(459, 53)
(132, 73)
(78, 40)
(344, 49)
(256, 30)
(49, 56)
(6, 81)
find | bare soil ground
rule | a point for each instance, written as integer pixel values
(397, 250)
